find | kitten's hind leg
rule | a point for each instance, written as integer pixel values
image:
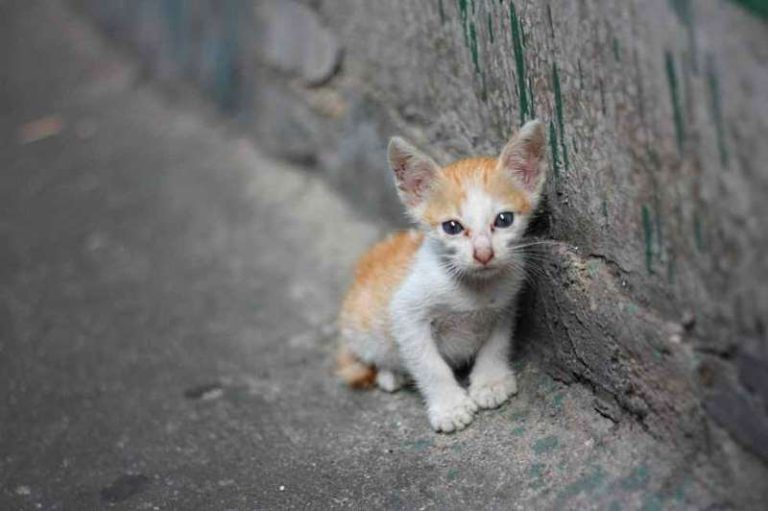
(389, 381)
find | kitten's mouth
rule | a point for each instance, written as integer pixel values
(485, 271)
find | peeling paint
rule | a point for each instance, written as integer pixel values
(473, 46)
(677, 109)
(517, 44)
(698, 233)
(756, 7)
(549, 20)
(553, 149)
(531, 100)
(586, 484)
(464, 17)
(636, 480)
(559, 114)
(545, 444)
(490, 28)
(658, 226)
(648, 238)
(684, 11)
(717, 110)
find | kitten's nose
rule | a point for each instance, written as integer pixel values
(483, 255)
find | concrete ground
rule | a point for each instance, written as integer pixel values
(167, 305)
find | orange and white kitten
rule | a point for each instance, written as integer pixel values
(426, 300)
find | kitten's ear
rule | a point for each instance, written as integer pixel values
(523, 157)
(414, 171)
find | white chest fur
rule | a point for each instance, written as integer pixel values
(461, 315)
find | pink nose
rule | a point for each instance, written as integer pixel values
(483, 255)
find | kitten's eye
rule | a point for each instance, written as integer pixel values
(504, 219)
(452, 227)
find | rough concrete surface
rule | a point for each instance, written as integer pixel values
(657, 294)
(167, 304)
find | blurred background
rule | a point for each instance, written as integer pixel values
(186, 186)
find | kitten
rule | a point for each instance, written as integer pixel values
(427, 300)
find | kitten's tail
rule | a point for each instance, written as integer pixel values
(352, 371)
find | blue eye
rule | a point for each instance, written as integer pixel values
(504, 220)
(452, 227)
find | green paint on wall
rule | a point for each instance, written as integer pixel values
(473, 46)
(683, 9)
(557, 402)
(549, 20)
(483, 88)
(524, 36)
(564, 150)
(581, 74)
(698, 232)
(616, 50)
(420, 445)
(659, 237)
(519, 416)
(593, 268)
(671, 269)
(531, 100)
(553, 149)
(536, 470)
(586, 484)
(441, 9)
(757, 7)
(490, 27)
(717, 109)
(637, 479)
(559, 114)
(545, 444)
(674, 92)
(517, 44)
(558, 98)
(652, 502)
(463, 14)
(518, 431)
(648, 238)
(601, 86)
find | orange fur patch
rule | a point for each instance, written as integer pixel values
(354, 373)
(449, 190)
(377, 276)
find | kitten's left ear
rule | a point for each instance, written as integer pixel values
(523, 157)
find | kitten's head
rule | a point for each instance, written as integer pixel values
(474, 210)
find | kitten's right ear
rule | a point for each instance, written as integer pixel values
(414, 171)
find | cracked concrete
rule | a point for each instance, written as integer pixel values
(167, 317)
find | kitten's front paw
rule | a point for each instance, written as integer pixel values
(452, 414)
(492, 393)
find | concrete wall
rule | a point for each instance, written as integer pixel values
(657, 294)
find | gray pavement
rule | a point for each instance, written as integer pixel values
(167, 306)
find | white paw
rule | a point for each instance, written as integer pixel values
(389, 381)
(490, 394)
(452, 414)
